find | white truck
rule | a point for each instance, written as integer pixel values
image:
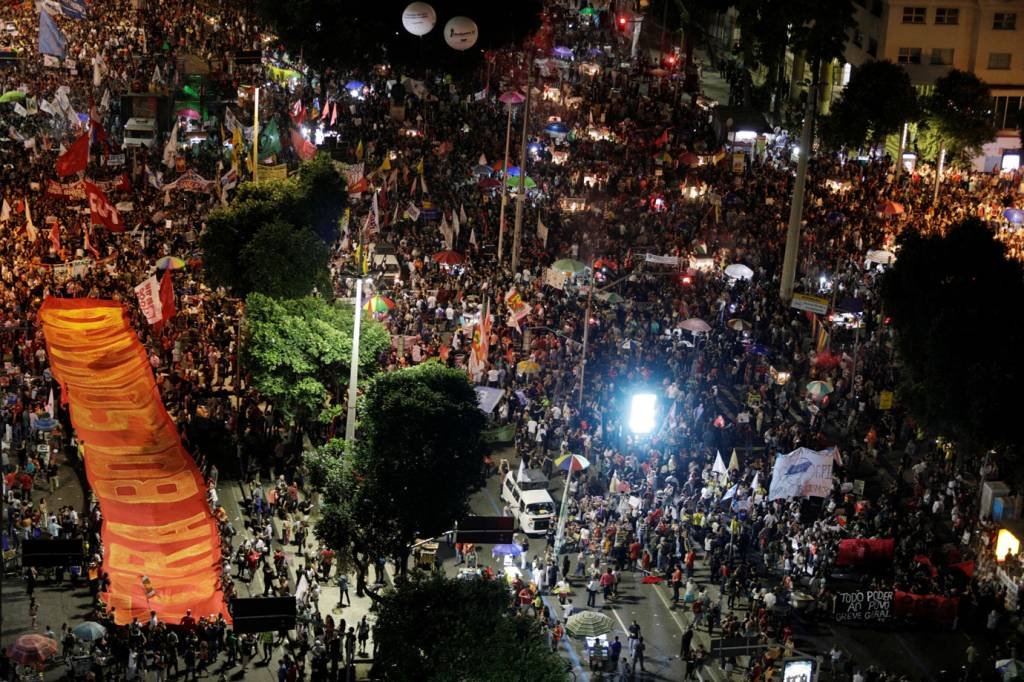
(140, 132)
(527, 494)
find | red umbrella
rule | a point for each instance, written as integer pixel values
(689, 159)
(827, 359)
(488, 183)
(512, 97)
(32, 650)
(449, 258)
(890, 208)
(605, 263)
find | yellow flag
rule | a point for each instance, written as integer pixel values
(419, 167)
(359, 151)
(386, 166)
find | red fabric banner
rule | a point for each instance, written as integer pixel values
(930, 608)
(157, 524)
(75, 159)
(101, 210)
(864, 552)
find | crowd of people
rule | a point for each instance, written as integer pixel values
(634, 169)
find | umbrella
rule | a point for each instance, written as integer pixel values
(32, 649)
(556, 128)
(510, 549)
(572, 462)
(449, 258)
(379, 304)
(758, 349)
(46, 424)
(562, 51)
(562, 589)
(827, 359)
(738, 324)
(835, 217)
(739, 271)
(512, 172)
(890, 208)
(605, 263)
(482, 169)
(527, 367)
(171, 262)
(89, 631)
(689, 159)
(588, 624)
(1014, 215)
(610, 297)
(1010, 668)
(696, 325)
(819, 389)
(354, 85)
(513, 182)
(512, 97)
(11, 96)
(588, 11)
(568, 265)
(488, 183)
(880, 256)
(658, 71)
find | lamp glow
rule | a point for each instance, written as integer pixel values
(641, 412)
(1006, 544)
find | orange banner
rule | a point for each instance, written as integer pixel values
(157, 524)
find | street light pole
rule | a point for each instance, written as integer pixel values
(504, 187)
(796, 207)
(353, 372)
(256, 135)
(517, 235)
(563, 514)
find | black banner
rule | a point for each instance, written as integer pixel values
(863, 606)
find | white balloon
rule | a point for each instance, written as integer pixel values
(419, 18)
(460, 33)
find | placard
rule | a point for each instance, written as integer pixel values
(863, 606)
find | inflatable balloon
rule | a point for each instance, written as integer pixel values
(419, 18)
(460, 33)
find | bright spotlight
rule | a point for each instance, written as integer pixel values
(641, 412)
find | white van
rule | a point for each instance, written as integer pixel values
(140, 132)
(527, 494)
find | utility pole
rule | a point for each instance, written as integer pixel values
(899, 154)
(938, 173)
(256, 135)
(504, 187)
(517, 235)
(796, 207)
(353, 372)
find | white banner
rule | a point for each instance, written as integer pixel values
(662, 260)
(148, 294)
(542, 232)
(802, 473)
(554, 278)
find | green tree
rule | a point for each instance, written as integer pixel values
(298, 353)
(311, 203)
(418, 458)
(876, 103)
(431, 629)
(959, 113)
(962, 368)
(284, 261)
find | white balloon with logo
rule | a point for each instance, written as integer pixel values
(460, 33)
(419, 18)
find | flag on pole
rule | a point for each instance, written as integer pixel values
(731, 492)
(88, 243)
(423, 183)
(5, 212)
(51, 40)
(542, 231)
(167, 308)
(734, 461)
(171, 148)
(55, 236)
(148, 294)
(472, 236)
(756, 482)
(455, 223)
(462, 214)
(75, 159)
(719, 466)
(30, 229)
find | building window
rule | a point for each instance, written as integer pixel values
(999, 60)
(872, 47)
(947, 16)
(914, 15)
(910, 55)
(942, 56)
(1004, 111)
(1004, 21)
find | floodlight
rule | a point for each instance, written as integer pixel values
(641, 412)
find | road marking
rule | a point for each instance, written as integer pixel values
(671, 612)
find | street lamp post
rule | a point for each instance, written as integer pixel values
(796, 208)
(504, 187)
(517, 235)
(353, 372)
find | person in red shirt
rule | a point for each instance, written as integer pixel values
(607, 583)
(677, 581)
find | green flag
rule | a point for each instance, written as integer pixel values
(270, 140)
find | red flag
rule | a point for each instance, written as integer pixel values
(75, 159)
(167, 296)
(334, 112)
(55, 236)
(298, 112)
(97, 128)
(101, 210)
(88, 243)
(305, 149)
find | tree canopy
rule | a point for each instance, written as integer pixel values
(962, 368)
(959, 112)
(876, 102)
(418, 458)
(433, 626)
(289, 221)
(298, 353)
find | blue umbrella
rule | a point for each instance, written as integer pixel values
(557, 128)
(511, 549)
(835, 217)
(354, 85)
(758, 349)
(1014, 215)
(46, 424)
(513, 171)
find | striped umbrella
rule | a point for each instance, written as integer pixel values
(819, 389)
(32, 649)
(172, 262)
(379, 304)
(588, 624)
(572, 462)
